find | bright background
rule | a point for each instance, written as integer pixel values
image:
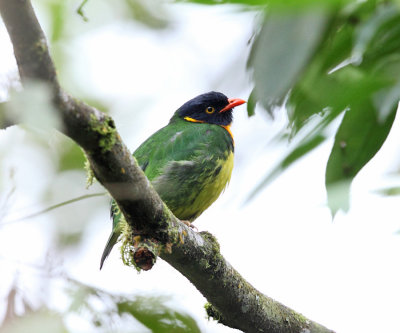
(343, 274)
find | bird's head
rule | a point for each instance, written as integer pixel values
(212, 108)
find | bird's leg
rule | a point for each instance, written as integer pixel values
(189, 224)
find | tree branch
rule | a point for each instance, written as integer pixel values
(154, 229)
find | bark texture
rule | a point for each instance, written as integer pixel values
(154, 229)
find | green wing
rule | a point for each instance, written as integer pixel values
(181, 141)
(187, 165)
(185, 162)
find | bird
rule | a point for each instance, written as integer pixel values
(189, 162)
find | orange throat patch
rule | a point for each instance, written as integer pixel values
(228, 129)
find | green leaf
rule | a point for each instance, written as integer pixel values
(71, 157)
(149, 13)
(58, 12)
(386, 99)
(378, 36)
(281, 51)
(152, 313)
(323, 90)
(389, 191)
(251, 104)
(353, 66)
(357, 140)
(327, 95)
(299, 151)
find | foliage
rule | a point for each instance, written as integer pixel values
(95, 307)
(151, 312)
(327, 62)
(38, 321)
(331, 64)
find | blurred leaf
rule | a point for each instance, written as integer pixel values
(357, 140)
(5, 117)
(387, 98)
(389, 191)
(66, 238)
(378, 36)
(317, 91)
(220, 2)
(33, 107)
(338, 196)
(251, 104)
(281, 51)
(284, 5)
(299, 151)
(79, 297)
(331, 83)
(71, 157)
(329, 94)
(337, 44)
(152, 313)
(354, 67)
(101, 308)
(58, 12)
(148, 12)
(368, 121)
(42, 321)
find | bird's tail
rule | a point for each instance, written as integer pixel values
(112, 240)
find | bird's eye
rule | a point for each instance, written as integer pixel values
(210, 110)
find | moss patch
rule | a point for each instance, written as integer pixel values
(89, 173)
(212, 312)
(106, 131)
(212, 239)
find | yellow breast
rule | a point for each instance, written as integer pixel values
(213, 185)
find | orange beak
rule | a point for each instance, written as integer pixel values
(232, 103)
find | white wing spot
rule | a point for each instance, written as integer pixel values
(175, 136)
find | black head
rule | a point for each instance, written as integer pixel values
(212, 107)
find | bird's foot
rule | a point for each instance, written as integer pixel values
(190, 225)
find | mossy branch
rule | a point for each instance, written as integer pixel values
(195, 255)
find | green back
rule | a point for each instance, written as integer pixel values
(181, 160)
(181, 140)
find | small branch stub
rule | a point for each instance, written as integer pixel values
(144, 258)
(140, 252)
(212, 312)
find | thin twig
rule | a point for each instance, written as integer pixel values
(80, 10)
(50, 208)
